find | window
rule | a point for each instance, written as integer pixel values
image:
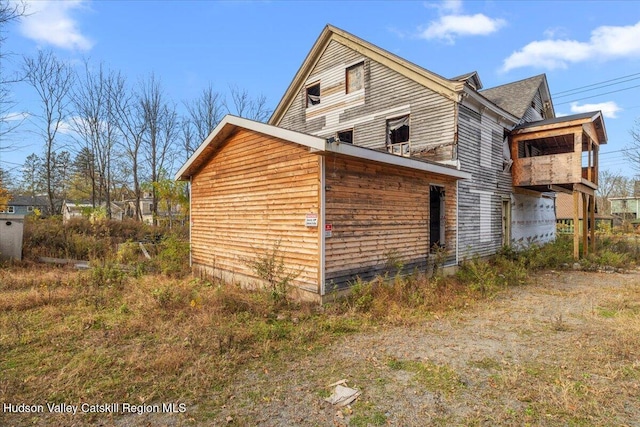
(313, 95)
(355, 77)
(29, 208)
(398, 136)
(11, 209)
(346, 136)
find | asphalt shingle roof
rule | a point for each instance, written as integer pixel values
(515, 97)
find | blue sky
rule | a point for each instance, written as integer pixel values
(259, 46)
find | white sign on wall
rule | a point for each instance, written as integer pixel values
(311, 220)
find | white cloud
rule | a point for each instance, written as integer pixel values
(454, 24)
(605, 43)
(609, 109)
(451, 6)
(51, 22)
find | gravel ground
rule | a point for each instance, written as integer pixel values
(550, 323)
(550, 353)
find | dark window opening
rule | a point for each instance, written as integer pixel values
(346, 136)
(398, 136)
(436, 218)
(313, 95)
(398, 130)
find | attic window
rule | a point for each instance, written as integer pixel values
(346, 136)
(355, 77)
(313, 95)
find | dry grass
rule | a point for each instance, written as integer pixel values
(105, 336)
(102, 336)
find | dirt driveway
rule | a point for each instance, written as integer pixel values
(564, 350)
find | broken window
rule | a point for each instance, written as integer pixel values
(346, 136)
(313, 94)
(398, 136)
(355, 77)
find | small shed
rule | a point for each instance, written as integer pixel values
(335, 211)
(11, 231)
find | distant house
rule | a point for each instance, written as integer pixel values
(83, 208)
(565, 212)
(26, 205)
(146, 210)
(625, 208)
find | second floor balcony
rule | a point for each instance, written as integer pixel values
(558, 154)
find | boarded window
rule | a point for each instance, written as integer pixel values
(355, 77)
(313, 95)
(486, 143)
(485, 217)
(346, 136)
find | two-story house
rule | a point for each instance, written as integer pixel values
(391, 161)
(507, 137)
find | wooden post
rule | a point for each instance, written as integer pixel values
(585, 232)
(589, 166)
(576, 229)
(592, 216)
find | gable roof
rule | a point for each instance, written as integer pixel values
(516, 97)
(471, 78)
(230, 124)
(26, 200)
(448, 88)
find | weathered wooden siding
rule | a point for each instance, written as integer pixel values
(386, 94)
(480, 151)
(379, 213)
(254, 193)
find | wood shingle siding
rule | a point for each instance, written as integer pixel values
(378, 213)
(251, 196)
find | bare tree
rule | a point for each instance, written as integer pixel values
(160, 133)
(132, 126)
(9, 11)
(633, 150)
(205, 112)
(52, 79)
(243, 105)
(94, 124)
(608, 185)
(189, 141)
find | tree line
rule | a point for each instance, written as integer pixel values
(105, 138)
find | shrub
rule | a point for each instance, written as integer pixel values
(271, 268)
(173, 257)
(479, 275)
